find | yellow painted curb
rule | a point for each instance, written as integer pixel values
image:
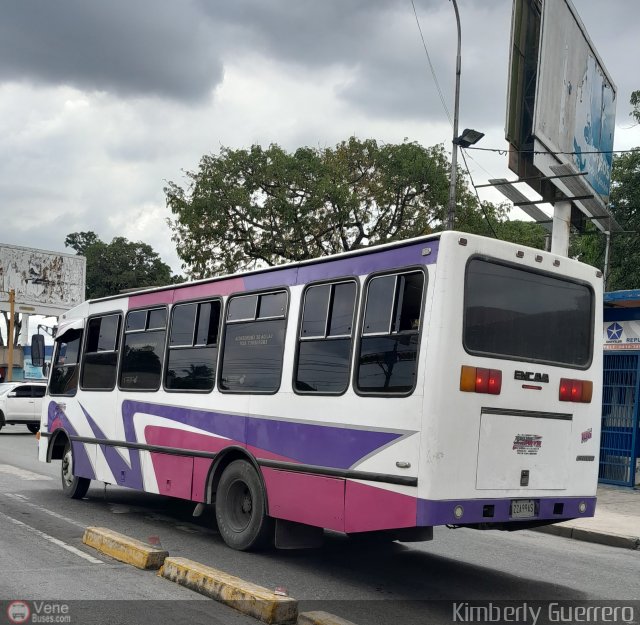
(245, 597)
(321, 618)
(123, 548)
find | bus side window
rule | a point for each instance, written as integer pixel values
(326, 335)
(254, 343)
(100, 358)
(143, 350)
(387, 361)
(193, 346)
(64, 372)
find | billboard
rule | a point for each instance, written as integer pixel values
(45, 283)
(560, 109)
(575, 103)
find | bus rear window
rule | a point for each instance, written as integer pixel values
(519, 314)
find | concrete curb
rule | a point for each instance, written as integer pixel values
(591, 536)
(321, 618)
(123, 548)
(245, 597)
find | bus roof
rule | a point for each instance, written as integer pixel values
(322, 259)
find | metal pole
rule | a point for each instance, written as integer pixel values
(12, 309)
(605, 271)
(456, 108)
(561, 228)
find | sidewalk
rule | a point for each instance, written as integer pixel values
(616, 523)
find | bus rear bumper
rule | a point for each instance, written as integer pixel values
(519, 511)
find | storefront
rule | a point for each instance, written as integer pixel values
(620, 440)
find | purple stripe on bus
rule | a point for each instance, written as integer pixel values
(357, 265)
(473, 510)
(368, 263)
(229, 426)
(410, 255)
(268, 279)
(308, 443)
(81, 464)
(319, 445)
(125, 474)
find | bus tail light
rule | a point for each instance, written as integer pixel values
(579, 391)
(479, 380)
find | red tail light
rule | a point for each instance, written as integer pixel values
(478, 380)
(579, 391)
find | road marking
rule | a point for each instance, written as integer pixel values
(25, 500)
(52, 539)
(9, 469)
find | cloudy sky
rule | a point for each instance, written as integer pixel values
(101, 103)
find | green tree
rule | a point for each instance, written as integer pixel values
(17, 327)
(635, 102)
(119, 265)
(624, 254)
(264, 206)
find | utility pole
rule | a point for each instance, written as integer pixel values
(12, 309)
(456, 111)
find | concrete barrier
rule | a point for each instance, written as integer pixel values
(245, 597)
(123, 548)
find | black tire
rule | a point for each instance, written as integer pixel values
(241, 508)
(34, 428)
(73, 486)
(1, 419)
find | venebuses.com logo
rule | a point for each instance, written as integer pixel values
(19, 612)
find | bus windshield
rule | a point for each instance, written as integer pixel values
(515, 313)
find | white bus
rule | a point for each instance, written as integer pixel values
(445, 380)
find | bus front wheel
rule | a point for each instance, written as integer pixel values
(73, 486)
(241, 510)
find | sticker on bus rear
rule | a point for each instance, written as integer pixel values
(527, 444)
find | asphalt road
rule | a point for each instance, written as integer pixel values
(42, 557)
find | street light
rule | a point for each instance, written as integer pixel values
(467, 138)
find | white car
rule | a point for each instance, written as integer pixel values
(21, 402)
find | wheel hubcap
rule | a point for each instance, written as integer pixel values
(239, 506)
(67, 468)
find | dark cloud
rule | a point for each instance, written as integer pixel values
(178, 48)
(126, 47)
(379, 42)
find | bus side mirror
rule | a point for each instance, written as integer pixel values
(37, 350)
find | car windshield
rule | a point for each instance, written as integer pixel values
(6, 387)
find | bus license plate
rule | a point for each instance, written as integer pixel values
(523, 508)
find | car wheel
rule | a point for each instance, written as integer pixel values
(73, 486)
(241, 508)
(1, 419)
(34, 428)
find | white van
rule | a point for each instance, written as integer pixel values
(21, 402)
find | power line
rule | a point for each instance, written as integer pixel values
(484, 212)
(505, 152)
(433, 71)
(446, 110)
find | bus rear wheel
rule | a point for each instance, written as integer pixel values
(241, 509)
(73, 486)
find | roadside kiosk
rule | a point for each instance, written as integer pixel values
(620, 440)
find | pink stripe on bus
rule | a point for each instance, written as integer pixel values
(368, 508)
(173, 474)
(151, 299)
(209, 289)
(311, 499)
